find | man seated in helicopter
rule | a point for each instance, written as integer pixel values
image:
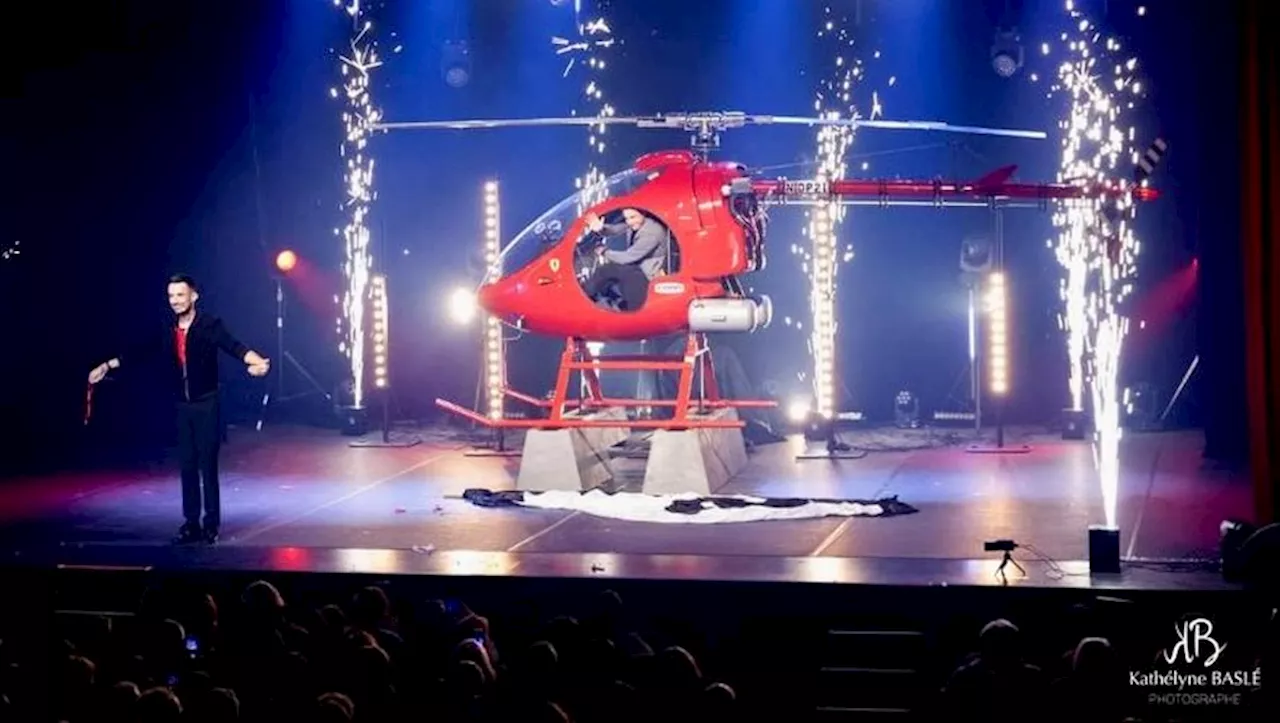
(630, 269)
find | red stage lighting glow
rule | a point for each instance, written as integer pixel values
(286, 260)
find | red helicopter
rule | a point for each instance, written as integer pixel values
(713, 215)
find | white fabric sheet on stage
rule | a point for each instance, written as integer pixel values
(634, 507)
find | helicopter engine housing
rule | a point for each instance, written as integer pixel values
(711, 315)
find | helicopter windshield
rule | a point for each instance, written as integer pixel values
(548, 229)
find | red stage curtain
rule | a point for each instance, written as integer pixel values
(1261, 264)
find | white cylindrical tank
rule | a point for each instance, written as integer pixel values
(708, 315)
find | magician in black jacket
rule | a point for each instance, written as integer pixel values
(191, 347)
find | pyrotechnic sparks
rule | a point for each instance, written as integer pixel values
(588, 51)
(592, 36)
(834, 99)
(359, 115)
(1096, 246)
(10, 251)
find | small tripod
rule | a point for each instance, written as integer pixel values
(1007, 547)
(1005, 562)
(283, 355)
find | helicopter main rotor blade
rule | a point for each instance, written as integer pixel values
(704, 122)
(462, 125)
(933, 126)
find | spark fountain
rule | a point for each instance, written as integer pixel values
(1096, 244)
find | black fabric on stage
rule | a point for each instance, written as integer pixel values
(516, 498)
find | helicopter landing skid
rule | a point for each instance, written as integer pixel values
(694, 368)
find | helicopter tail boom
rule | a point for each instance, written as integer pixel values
(993, 186)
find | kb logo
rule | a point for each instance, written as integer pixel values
(1192, 634)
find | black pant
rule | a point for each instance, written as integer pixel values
(632, 284)
(199, 439)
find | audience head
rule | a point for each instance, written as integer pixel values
(542, 654)
(678, 669)
(333, 617)
(167, 644)
(1000, 643)
(608, 607)
(222, 706)
(717, 701)
(370, 608)
(374, 666)
(1092, 657)
(203, 619)
(466, 679)
(262, 602)
(120, 700)
(79, 674)
(475, 651)
(158, 705)
(334, 708)
(546, 712)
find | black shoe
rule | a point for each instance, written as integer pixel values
(188, 534)
(211, 536)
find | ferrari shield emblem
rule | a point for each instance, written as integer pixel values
(555, 265)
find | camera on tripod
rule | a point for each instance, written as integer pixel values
(999, 546)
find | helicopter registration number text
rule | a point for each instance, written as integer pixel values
(806, 188)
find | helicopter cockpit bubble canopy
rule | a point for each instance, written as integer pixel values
(548, 229)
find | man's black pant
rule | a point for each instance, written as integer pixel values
(199, 439)
(631, 282)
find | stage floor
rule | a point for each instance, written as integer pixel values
(304, 499)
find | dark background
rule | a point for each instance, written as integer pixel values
(154, 137)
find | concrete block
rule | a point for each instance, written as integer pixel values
(698, 461)
(570, 459)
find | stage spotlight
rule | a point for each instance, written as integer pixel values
(381, 330)
(462, 306)
(975, 254)
(286, 260)
(455, 63)
(798, 411)
(1006, 53)
(906, 411)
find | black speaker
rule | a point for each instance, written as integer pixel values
(353, 421)
(1074, 425)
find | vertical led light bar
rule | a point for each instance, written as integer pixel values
(381, 329)
(822, 232)
(973, 330)
(495, 363)
(998, 334)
